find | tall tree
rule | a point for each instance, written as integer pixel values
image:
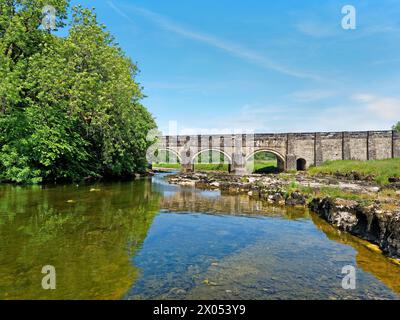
(397, 126)
(70, 106)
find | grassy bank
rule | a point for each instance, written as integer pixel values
(380, 170)
(197, 167)
(336, 192)
(166, 165)
(260, 166)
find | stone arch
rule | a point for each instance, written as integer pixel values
(211, 149)
(280, 158)
(172, 151)
(301, 164)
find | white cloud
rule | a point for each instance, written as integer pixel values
(232, 48)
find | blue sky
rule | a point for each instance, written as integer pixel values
(263, 66)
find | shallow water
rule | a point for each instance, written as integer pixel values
(150, 240)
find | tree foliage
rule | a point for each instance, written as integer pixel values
(69, 106)
(397, 126)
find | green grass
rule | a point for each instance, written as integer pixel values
(167, 165)
(197, 166)
(381, 170)
(210, 167)
(333, 192)
(264, 166)
(260, 166)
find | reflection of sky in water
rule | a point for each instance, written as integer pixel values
(258, 258)
(210, 194)
(169, 190)
(158, 180)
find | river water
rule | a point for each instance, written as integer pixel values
(147, 239)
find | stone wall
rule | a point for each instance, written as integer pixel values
(319, 147)
(357, 146)
(332, 146)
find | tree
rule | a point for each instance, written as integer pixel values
(397, 126)
(71, 107)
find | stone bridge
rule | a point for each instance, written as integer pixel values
(294, 151)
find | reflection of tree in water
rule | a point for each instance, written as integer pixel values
(190, 201)
(368, 260)
(90, 239)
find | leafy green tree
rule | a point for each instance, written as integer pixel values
(70, 107)
(397, 126)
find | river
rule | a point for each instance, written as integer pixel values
(147, 239)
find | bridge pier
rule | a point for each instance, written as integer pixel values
(187, 168)
(291, 162)
(238, 166)
(238, 171)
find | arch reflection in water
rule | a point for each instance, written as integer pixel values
(213, 202)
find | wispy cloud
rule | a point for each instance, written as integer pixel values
(232, 48)
(119, 11)
(386, 61)
(387, 108)
(263, 119)
(312, 95)
(316, 29)
(369, 113)
(281, 119)
(391, 29)
(330, 28)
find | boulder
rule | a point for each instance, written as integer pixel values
(370, 222)
(295, 199)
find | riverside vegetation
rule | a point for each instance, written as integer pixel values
(69, 106)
